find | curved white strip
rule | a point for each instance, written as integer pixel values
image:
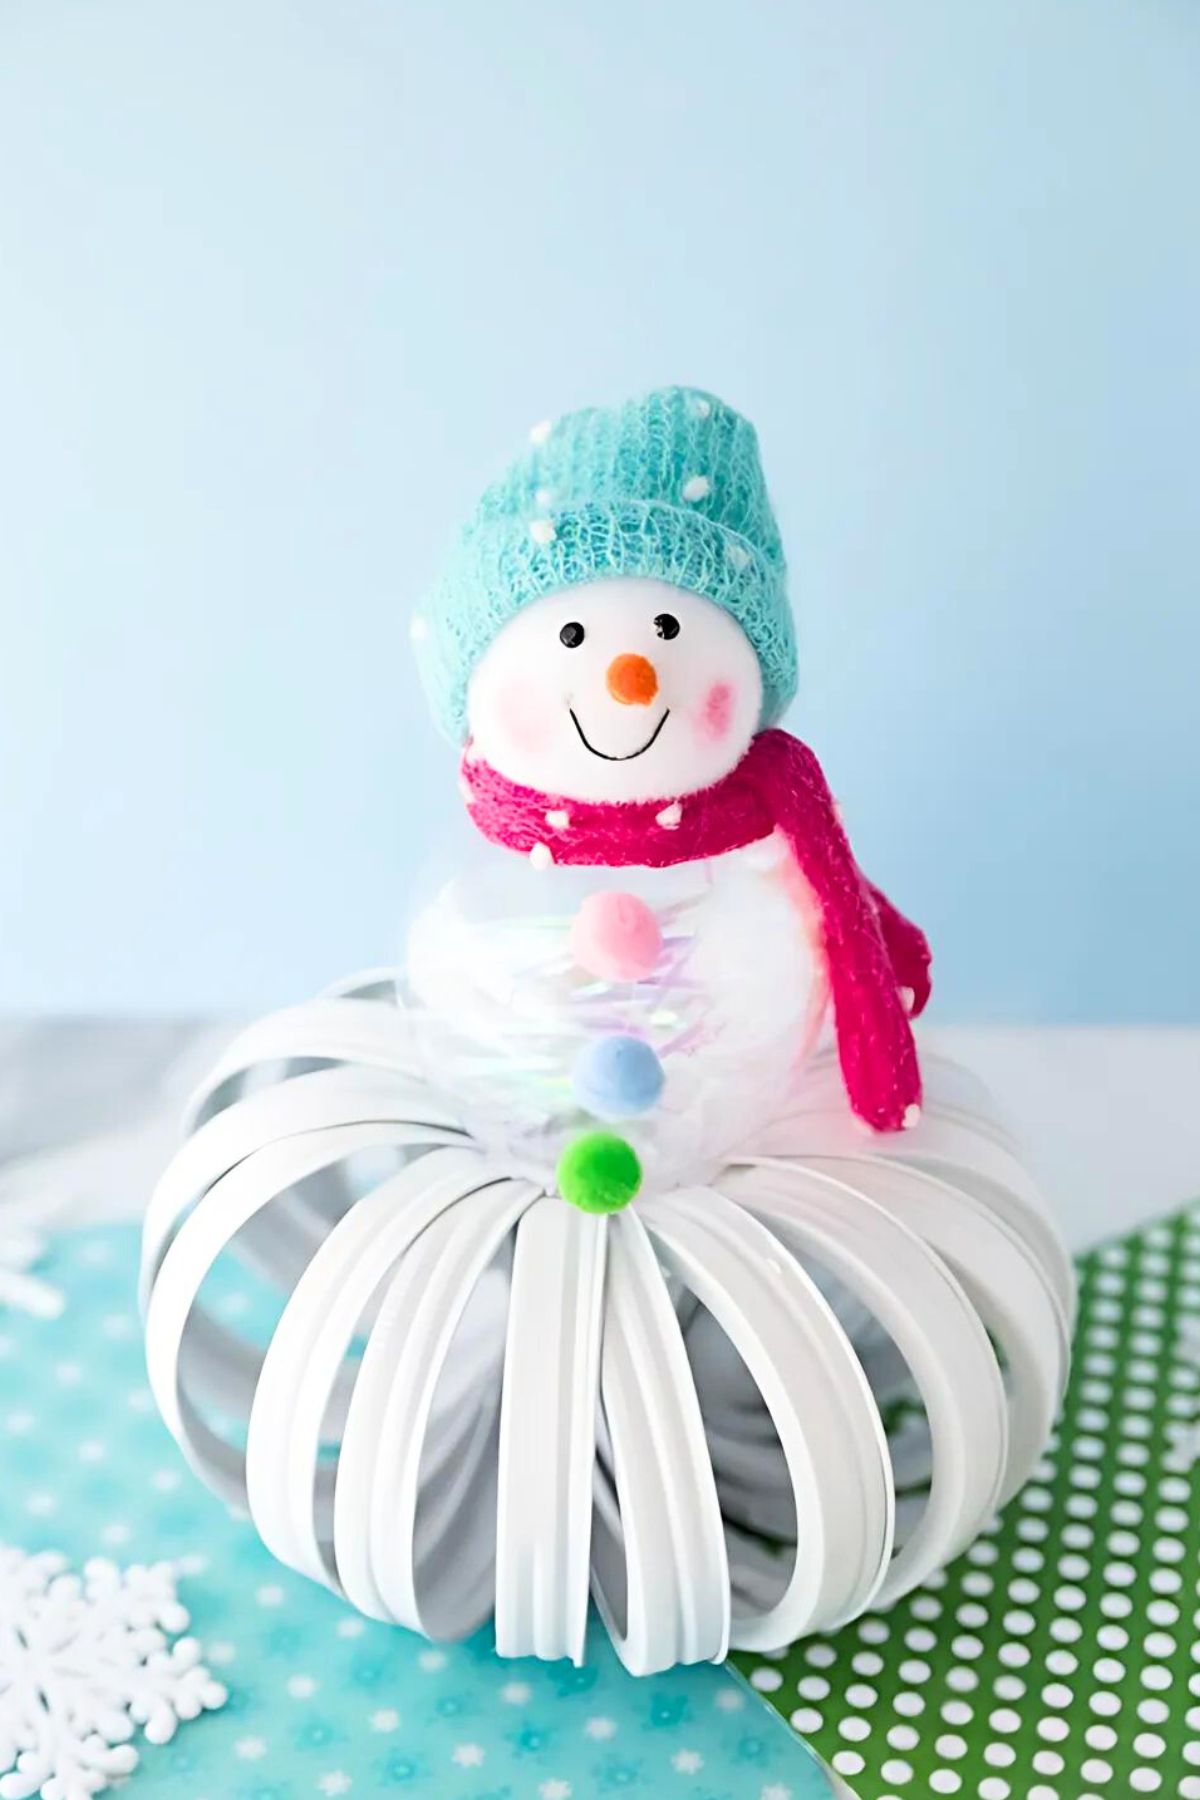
(928, 1316)
(548, 1432)
(753, 1484)
(326, 1099)
(965, 1154)
(346, 1031)
(668, 1537)
(828, 1128)
(207, 1231)
(813, 1387)
(313, 1336)
(1004, 1280)
(1023, 1210)
(415, 1506)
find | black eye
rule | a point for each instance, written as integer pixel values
(572, 634)
(667, 625)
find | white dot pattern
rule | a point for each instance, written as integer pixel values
(1059, 1659)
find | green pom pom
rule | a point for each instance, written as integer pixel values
(599, 1172)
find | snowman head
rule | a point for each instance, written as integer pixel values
(620, 689)
(612, 621)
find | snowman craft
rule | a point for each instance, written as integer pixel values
(597, 1268)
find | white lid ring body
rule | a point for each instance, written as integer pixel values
(476, 1400)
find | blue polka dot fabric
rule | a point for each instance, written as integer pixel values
(321, 1701)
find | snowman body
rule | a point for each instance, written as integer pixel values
(506, 987)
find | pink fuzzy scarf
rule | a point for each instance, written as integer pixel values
(877, 960)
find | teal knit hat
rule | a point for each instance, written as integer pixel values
(668, 486)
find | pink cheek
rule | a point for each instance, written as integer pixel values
(525, 715)
(716, 715)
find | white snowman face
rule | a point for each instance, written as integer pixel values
(623, 689)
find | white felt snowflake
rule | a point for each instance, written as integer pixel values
(84, 1660)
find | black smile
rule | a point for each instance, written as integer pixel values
(604, 753)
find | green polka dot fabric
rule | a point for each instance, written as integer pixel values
(321, 1701)
(1059, 1659)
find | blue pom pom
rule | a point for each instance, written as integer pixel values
(617, 1077)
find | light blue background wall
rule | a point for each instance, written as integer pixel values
(280, 284)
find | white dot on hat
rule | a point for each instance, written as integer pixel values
(544, 497)
(542, 531)
(670, 816)
(419, 629)
(696, 487)
(558, 819)
(541, 431)
(541, 856)
(701, 407)
(738, 555)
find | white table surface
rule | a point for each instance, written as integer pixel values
(1110, 1117)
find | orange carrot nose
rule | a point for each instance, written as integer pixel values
(631, 680)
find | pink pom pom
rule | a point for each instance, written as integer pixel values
(616, 936)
